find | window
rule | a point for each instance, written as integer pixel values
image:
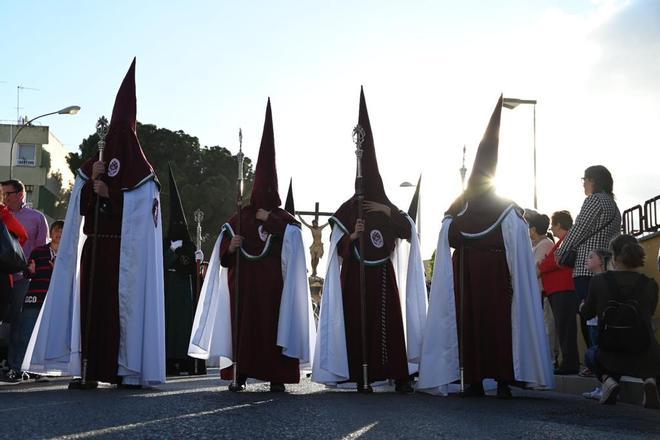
(29, 192)
(27, 155)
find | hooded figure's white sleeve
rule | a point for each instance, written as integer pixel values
(141, 357)
(54, 347)
(330, 358)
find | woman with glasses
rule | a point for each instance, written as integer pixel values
(598, 222)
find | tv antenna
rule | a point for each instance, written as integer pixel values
(18, 100)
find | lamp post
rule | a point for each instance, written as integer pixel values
(418, 220)
(463, 170)
(70, 110)
(512, 103)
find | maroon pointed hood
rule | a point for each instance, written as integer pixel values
(485, 161)
(126, 164)
(372, 183)
(264, 190)
(479, 207)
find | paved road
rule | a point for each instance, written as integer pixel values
(201, 407)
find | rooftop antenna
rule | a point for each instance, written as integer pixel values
(18, 100)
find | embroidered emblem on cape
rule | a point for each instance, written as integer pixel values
(263, 235)
(113, 167)
(377, 238)
(154, 212)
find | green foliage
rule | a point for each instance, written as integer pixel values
(62, 194)
(206, 176)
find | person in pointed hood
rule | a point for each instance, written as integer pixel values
(179, 258)
(275, 322)
(486, 296)
(389, 301)
(110, 312)
(289, 205)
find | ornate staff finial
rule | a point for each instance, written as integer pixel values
(102, 127)
(198, 215)
(462, 169)
(358, 139)
(240, 156)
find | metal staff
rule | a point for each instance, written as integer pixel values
(198, 215)
(358, 138)
(461, 275)
(102, 131)
(234, 386)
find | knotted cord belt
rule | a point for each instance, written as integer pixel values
(104, 236)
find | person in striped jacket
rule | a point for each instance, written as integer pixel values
(39, 270)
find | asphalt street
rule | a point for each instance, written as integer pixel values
(201, 407)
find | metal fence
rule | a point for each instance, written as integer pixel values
(642, 220)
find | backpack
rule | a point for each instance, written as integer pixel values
(621, 328)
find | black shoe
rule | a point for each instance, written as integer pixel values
(277, 387)
(364, 390)
(565, 372)
(474, 390)
(12, 376)
(239, 385)
(503, 391)
(403, 387)
(76, 384)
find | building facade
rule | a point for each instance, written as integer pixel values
(39, 161)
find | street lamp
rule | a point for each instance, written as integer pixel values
(463, 170)
(70, 110)
(512, 103)
(418, 214)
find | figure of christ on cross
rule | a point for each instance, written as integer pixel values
(316, 249)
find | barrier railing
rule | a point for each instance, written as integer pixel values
(640, 220)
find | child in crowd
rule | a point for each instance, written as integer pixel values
(597, 262)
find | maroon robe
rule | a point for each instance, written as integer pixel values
(386, 346)
(103, 347)
(487, 291)
(260, 292)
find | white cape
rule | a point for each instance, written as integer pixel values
(55, 346)
(330, 358)
(211, 335)
(531, 354)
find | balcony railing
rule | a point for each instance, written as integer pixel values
(642, 220)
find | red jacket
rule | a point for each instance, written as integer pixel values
(15, 227)
(555, 278)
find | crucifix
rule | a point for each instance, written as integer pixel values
(316, 249)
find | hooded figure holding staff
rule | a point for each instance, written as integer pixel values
(485, 317)
(274, 325)
(103, 318)
(180, 259)
(374, 302)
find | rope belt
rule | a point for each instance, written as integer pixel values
(104, 236)
(494, 250)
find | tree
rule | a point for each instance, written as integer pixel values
(62, 194)
(206, 176)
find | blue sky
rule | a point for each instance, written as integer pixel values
(432, 71)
